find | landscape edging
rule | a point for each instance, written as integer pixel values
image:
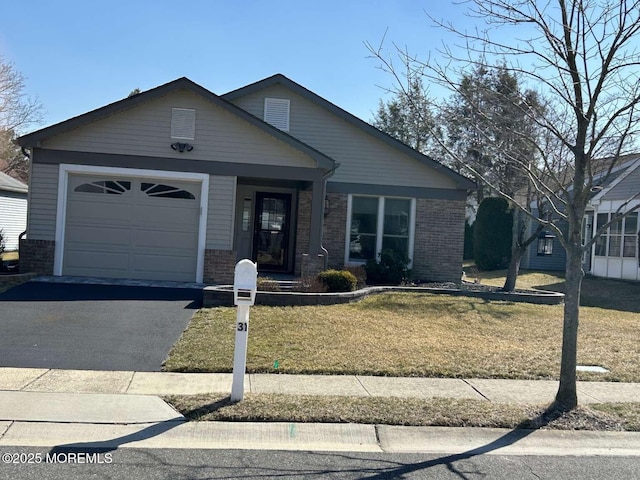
(222, 296)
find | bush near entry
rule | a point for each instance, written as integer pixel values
(338, 280)
(391, 269)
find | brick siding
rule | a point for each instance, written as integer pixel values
(303, 225)
(335, 229)
(219, 266)
(439, 240)
(37, 256)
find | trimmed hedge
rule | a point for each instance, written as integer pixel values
(338, 280)
(492, 234)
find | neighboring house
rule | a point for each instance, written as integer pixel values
(13, 210)
(178, 183)
(615, 253)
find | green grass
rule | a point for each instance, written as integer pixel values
(408, 334)
(405, 411)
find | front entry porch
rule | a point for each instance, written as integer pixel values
(278, 223)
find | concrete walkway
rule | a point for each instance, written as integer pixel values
(164, 383)
(82, 409)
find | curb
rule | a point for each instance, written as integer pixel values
(332, 437)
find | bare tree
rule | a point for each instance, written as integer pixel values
(582, 56)
(17, 112)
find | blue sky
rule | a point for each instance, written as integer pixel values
(80, 55)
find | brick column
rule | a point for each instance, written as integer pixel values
(335, 229)
(312, 265)
(37, 256)
(219, 266)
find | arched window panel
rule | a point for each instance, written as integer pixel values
(165, 191)
(113, 187)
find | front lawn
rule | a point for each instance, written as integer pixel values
(407, 334)
(445, 412)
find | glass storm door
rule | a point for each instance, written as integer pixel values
(271, 231)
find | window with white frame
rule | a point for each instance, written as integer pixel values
(620, 239)
(379, 223)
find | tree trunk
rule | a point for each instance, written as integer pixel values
(516, 253)
(514, 268)
(567, 396)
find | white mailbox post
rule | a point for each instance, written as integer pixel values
(244, 295)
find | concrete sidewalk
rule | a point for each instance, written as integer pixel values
(164, 383)
(81, 409)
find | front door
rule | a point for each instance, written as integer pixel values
(272, 222)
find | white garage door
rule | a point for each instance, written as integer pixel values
(120, 227)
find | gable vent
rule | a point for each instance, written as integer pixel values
(276, 112)
(183, 123)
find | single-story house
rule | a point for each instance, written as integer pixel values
(13, 210)
(615, 253)
(178, 183)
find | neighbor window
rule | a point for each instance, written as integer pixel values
(379, 223)
(620, 239)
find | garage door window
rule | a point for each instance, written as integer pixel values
(165, 191)
(104, 186)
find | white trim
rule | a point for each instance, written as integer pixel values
(412, 232)
(347, 242)
(380, 227)
(63, 181)
(233, 213)
(628, 170)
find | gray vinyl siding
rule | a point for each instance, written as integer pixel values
(222, 192)
(362, 158)
(626, 189)
(43, 199)
(533, 261)
(146, 130)
(13, 217)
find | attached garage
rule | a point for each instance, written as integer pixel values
(120, 226)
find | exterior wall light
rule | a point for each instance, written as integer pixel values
(182, 147)
(545, 243)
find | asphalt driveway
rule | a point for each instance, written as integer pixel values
(92, 327)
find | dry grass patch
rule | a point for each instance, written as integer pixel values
(603, 293)
(6, 256)
(408, 334)
(401, 411)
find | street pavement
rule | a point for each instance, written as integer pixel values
(79, 410)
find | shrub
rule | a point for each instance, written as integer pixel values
(338, 280)
(310, 285)
(266, 284)
(492, 234)
(391, 269)
(360, 273)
